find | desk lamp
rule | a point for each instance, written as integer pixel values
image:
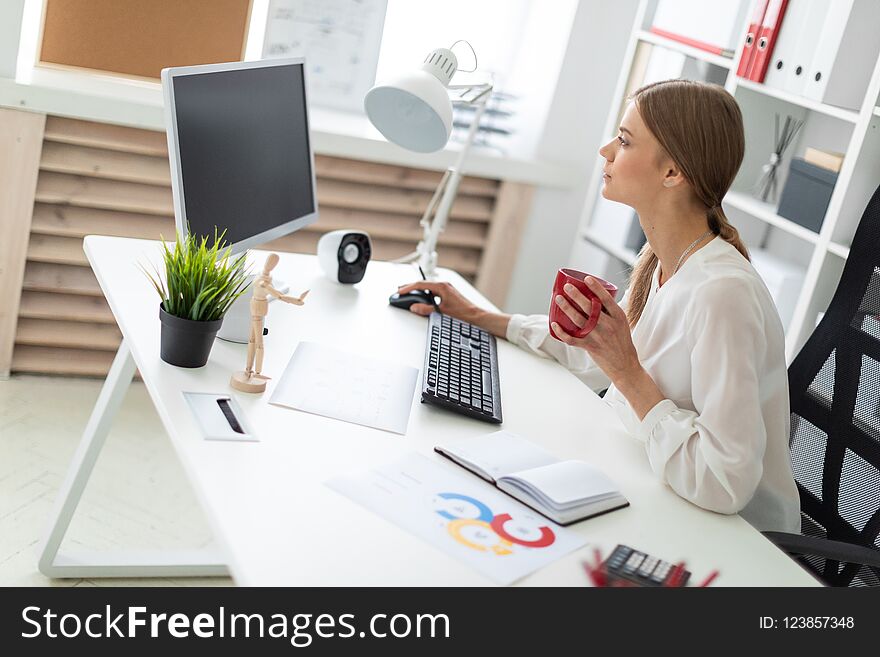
(414, 111)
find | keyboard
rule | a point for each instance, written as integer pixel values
(461, 369)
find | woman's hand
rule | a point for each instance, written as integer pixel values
(452, 302)
(610, 343)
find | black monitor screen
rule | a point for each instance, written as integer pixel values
(243, 141)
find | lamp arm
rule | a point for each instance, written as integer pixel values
(425, 221)
(428, 246)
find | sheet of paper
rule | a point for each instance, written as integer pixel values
(340, 41)
(461, 515)
(348, 387)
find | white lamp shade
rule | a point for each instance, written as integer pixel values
(412, 110)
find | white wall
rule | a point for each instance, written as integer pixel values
(10, 33)
(572, 136)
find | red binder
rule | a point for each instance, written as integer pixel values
(751, 36)
(766, 39)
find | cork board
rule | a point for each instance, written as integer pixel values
(140, 38)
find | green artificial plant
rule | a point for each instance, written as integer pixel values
(200, 282)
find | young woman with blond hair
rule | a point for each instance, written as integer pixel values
(694, 355)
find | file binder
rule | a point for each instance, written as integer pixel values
(845, 54)
(815, 13)
(766, 39)
(787, 43)
(748, 50)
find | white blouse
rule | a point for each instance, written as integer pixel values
(713, 343)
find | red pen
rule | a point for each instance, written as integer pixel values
(710, 578)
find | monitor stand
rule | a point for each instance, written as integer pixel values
(236, 325)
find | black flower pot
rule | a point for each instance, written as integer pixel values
(186, 342)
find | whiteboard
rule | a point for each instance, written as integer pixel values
(340, 41)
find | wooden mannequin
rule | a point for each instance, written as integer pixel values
(250, 379)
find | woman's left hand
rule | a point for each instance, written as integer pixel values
(610, 343)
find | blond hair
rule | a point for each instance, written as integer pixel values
(700, 127)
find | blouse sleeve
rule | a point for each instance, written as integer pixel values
(714, 456)
(532, 333)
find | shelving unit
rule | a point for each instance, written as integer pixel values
(801, 101)
(838, 250)
(856, 133)
(767, 212)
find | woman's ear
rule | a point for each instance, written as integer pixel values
(673, 177)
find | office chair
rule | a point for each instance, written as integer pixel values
(834, 384)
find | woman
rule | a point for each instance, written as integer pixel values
(693, 356)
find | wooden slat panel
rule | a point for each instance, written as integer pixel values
(68, 250)
(153, 170)
(465, 261)
(102, 163)
(58, 250)
(78, 335)
(103, 135)
(53, 360)
(71, 221)
(154, 143)
(387, 199)
(398, 227)
(46, 277)
(337, 168)
(131, 197)
(21, 138)
(111, 180)
(107, 194)
(71, 307)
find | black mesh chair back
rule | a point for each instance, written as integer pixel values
(835, 413)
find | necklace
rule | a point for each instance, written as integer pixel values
(688, 250)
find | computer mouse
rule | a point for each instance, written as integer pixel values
(407, 299)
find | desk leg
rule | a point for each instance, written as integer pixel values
(104, 563)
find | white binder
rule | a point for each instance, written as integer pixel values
(785, 50)
(814, 13)
(845, 54)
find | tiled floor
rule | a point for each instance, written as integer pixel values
(137, 496)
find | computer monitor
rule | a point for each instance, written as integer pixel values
(240, 150)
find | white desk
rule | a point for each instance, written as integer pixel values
(277, 524)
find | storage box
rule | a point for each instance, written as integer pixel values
(806, 194)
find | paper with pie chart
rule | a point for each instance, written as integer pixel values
(461, 515)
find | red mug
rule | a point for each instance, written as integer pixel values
(576, 278)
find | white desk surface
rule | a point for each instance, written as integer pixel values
(279, 525)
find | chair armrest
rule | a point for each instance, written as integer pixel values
(821, 547)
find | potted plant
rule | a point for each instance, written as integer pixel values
(199, 285)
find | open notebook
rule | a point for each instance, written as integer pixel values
(564, 491)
